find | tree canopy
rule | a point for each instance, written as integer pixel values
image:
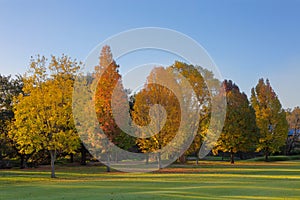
(43, 114)
(9, 89)
(240, 133)
(270, 118)
(293, 118)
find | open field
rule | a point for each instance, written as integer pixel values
(209, 180)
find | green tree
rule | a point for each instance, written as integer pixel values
(270, 118)
(240, 133)
(9, 88)
(43, 115)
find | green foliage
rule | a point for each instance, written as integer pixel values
(270, 118)
(9, 88)
(239, 133)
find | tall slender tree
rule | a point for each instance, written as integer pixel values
(270, 118)
(111, 102)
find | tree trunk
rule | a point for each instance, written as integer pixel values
(147, 158)
(241, 155)
(83, 155)
(108, 163)
(266, 157)
(116, 158)
(159, 160)
(197, 158)
(182, 159)
(71, 158)
(231, 157)
(53, 157)
(266, 154)
(289, 145)
(22, 161)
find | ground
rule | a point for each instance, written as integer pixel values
(209, 180)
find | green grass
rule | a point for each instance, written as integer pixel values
(277, 158)
(209, 180)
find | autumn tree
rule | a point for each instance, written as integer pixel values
(240, 133)
(108, 84)
(293, 118)
(43, 115)
(198, 78)
(270, 118)
(157, 109)
(9, 88)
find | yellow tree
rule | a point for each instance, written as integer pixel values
(43, 116)
(157, 107)
(198, 78)
(240, 133)
(270, 118)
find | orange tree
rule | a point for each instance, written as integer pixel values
(109, 90)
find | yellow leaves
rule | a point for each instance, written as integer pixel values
(269, 114)
(149, 115)
(43, 118)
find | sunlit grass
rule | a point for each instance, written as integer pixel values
(209, 180)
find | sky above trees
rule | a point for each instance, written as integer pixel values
(246, 39)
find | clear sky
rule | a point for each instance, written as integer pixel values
(247, 39)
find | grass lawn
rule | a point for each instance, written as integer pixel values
(209, 180)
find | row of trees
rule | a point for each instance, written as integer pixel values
(259, 125)
(36, 111)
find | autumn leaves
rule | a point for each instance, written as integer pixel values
(171, 116)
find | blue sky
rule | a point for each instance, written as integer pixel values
(247, 39)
